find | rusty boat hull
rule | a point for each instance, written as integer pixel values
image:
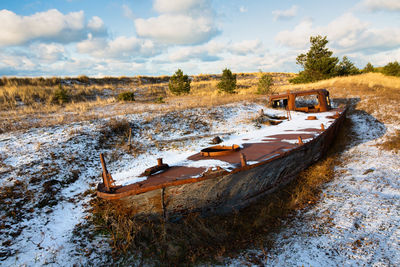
(220, 191)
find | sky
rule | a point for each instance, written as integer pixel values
(156, 37)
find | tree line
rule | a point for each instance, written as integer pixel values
(319, 64)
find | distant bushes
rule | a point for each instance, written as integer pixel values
(368, 68)
(228, 82)
(179, 83)
(345, 68)
(126, 96)
(61, 95)
(264, 84)
(392, 69)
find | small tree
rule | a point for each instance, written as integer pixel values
(392, 69)
(264, 84)
(318, 63)
(126, 96)
(179, 83)
(346, 67)
(228, 82)
(368, 68)
(61, 96)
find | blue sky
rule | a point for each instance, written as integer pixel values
(138, 37)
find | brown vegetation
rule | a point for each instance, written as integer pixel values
(392, 142)
(35, 102)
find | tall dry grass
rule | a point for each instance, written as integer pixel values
(87, 99)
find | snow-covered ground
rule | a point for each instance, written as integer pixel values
(357, 222)
(47, 177)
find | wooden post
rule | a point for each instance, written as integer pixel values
(243, 160)
(322, 127)
(159, 162)
(105, 172)
(300, 140)
(130, 138)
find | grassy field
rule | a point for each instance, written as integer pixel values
(36, 102)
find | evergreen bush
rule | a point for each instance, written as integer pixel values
(179, 83)
(228, 82)
(264, 84)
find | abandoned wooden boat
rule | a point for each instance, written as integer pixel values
(243, 170)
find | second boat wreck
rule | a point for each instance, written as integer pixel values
(230, 176)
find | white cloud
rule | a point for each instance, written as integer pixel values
(48, 53)
(176, 29)
(375, 5)
(179, 6)
(214, 51)
(247, 47)
(285, 14)
(242, 9)
(345, 34)
(180, 22)
(9, 61)
(50, 25)
(96, 24)
(299, 36)
(124, 48)
(207, 52)
(345, 30)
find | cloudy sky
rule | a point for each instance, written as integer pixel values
(156, 37)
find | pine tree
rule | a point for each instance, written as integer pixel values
(368, 68)
(264, 84)
(346, 67)
(179, 83)
(318, 63)
(392, 69)
(228, 82)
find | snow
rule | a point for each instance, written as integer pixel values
(248, 132)
(357, 205)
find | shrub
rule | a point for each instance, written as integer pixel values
(368, 68)
(159, 100)
(264, 84)
(346, 67)
(392, 69)
(61, 95)
(126, 96)
(179, 83)
(228, 82)
(83, 79)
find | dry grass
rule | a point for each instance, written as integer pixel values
(392, 143)
(31, 102)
